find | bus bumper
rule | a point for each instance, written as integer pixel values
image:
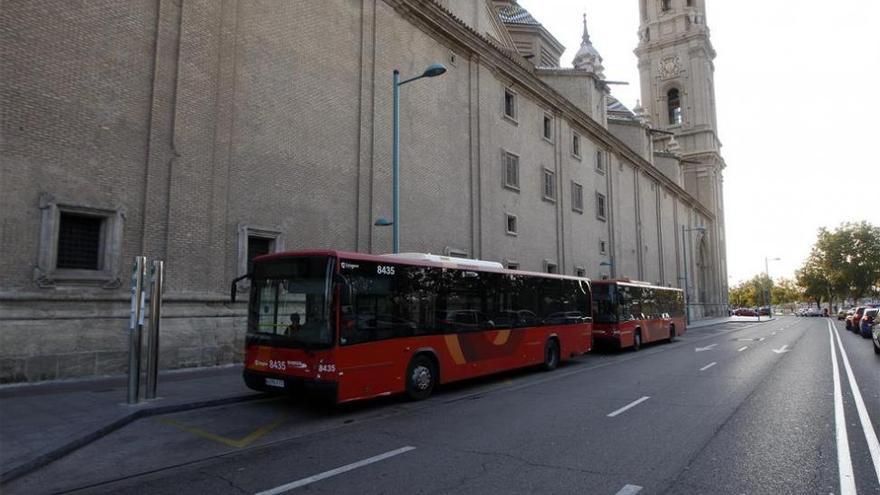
(265, 382)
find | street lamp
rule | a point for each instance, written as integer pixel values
(684, 245)
(768, 294)
(432, 70)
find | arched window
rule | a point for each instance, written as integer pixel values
(665, 5)
(673, 101)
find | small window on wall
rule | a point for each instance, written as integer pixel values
(549, 185)
(576, 145)
(580, 271)
(258, 246)
(665, 5)
(600, 206)
(256, 241)
(577, 197)
(510, 104)
(548, 127)
(673, 98)
(600, 162)
(511, 224)
(79, 241)
(512, 265)
(510, 164)
(603, 247)
(551, 267)
(79, 245)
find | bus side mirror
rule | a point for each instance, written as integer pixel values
(234, 290)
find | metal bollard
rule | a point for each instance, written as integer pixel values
(135, 328)
(158, 275)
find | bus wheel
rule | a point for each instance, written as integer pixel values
(421, 376)
(551, 355)
(672, 333)
(637, 340)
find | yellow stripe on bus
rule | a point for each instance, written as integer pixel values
(501, 337)
(454, 349)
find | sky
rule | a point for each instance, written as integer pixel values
(798, 93)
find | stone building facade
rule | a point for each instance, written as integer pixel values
(202, 132)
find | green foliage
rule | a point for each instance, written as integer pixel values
(843, 264)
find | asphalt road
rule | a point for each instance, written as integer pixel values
(735, 408)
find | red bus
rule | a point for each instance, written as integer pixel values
(629, 313)
(360, 326)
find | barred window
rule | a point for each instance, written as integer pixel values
(600, 206)
(79, 241)
(577, 197)
(549, 185)
(511, 170)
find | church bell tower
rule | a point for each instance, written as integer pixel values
(678, 93)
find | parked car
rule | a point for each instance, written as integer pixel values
(841, 315)
(869, 320)
(852, 321)
(875, 338)
(745, 312)
(765, 311)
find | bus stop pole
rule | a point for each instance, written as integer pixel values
(135, 328)
(158, 275)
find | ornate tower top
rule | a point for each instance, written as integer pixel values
(587, 57)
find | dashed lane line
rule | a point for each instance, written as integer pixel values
(333, 472)
(629, 490)
(704, 368)
(742, 348)
(628, 406)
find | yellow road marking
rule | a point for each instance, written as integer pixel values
(240, 443)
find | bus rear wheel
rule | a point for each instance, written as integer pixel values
(421, 377)
(551, 355)
(637, 340)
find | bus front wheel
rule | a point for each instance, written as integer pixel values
(551, 355)
(421, 376)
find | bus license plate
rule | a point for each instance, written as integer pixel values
(274, 382)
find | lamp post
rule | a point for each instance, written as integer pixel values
(768, 294)
(684, 245)
(432, 70)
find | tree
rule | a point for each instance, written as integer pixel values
(843, 263)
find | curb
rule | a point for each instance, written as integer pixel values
(76, 444)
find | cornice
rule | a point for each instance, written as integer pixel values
(436, 20)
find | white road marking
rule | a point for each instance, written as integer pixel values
(782, 349)
(707, 348)
(334, 472)
(629, 490)
(844, 462)
(867, 426)
(628, 406)
(742, 348)
(761, 339)
(774, 333)
(704, 368)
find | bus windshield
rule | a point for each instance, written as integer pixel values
(290, 301)
(604, 303)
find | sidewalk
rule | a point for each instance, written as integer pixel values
(45, 421)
